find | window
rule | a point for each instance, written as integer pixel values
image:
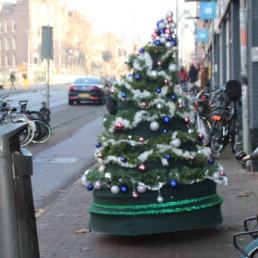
(7, 60)
(1, 44)
(14, 60)
(7, 44)
(7, 28)
(14, 43)
(1, 27)
(14, 26)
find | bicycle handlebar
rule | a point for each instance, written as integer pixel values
(246, 160)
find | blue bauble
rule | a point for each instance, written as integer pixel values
(166, 119)
(173, 183)
(170, 38)
(90, 187)
(173, 97)
(123, 159)
(158, 90)
(157, 42)
(98, 144)
(174, 43)
(137, 77)
(141, 50)
(161, 31)
(123, 94)
(165, 131)
(211, 160)
(123, 189)
(168, 156)
(160, 23)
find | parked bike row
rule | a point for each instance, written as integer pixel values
(250, 223)
(38, 129)
(217, 116)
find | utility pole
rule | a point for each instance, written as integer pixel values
(243, 49)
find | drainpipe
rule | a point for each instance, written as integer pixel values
(243, 50)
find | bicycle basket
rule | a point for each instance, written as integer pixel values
(233, 90)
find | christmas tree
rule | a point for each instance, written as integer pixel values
(153, 167)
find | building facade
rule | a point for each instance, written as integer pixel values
(76, 50)
(232, 53)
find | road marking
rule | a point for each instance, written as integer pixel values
(55, 160)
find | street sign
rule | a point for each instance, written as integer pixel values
(202, 35)
(208, 10)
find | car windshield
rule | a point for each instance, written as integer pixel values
(87, 81)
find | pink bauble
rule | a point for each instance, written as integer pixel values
(169, 14)
(142, 167)
(169, 19)
(119, 125)
(167, 31)
(97, 185)
(141, 188)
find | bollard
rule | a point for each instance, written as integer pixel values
(18, 232)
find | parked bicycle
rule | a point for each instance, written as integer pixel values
(225, 125)
(250, 223)
(37, 131)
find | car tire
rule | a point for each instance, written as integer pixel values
(70, 102)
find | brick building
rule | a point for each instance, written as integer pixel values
(76, 50)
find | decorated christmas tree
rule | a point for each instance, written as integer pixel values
(154, 173)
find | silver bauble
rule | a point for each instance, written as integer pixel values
(172, 68)
(192, 121)
(163, 40)
(168, 45)
(160, 199)
(154, 74)
(159, 106)
(154, 125)
(176, 142)
(108, 175)
(114, 189)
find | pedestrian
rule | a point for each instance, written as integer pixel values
(12, 79)
(203, 76)
(183, 79)
(193, 78)
(193, 73)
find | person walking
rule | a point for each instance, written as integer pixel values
(203, 74)
(193, 73)
(12, 79)
(183, 79)
(193, 78)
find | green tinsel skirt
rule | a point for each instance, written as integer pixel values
(185, 207)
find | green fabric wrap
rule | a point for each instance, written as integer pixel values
(183, 208)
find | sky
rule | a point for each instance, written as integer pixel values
(128, 18)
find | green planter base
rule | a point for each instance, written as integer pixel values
(183, 208)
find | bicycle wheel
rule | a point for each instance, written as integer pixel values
(27, 134)
(252, 249)
(234, 133)
(45, 112)
(35, 115)
(207, 128)
(216, 139)
(42, 132)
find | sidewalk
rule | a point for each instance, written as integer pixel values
(62, 229)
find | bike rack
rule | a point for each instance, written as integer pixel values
(242, 234)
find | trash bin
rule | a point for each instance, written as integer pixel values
(17, 215)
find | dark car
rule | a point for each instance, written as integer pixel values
(86, 89)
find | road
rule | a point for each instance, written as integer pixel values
(70, 150)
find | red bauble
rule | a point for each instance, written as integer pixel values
(142, 168)
(141, 139)
(144, 105)
(135, 195)
(119, 125)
